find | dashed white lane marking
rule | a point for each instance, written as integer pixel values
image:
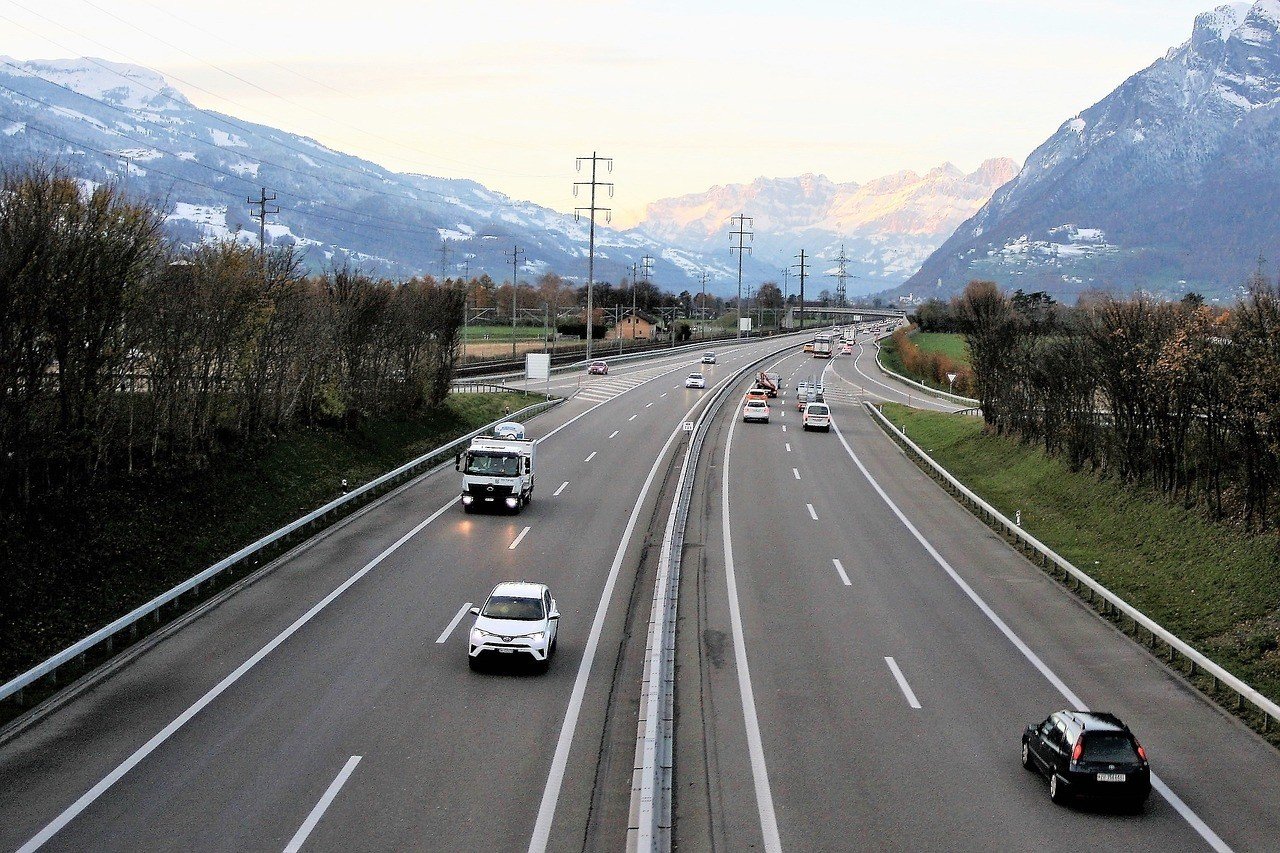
(295, 843)
(812, 514)
(614, 434)
(453, 623)
(663, 394)
(788, 447)
(647, 405)
(516, 541)
(902, 683)
(633, 417)
(784, 427)
(592, 456)
(840, 570)
(563, 486)
(1193, 820)
(796, 471)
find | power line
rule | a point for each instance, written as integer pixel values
(591, 212)
(840, 275)
(742, 231)
(261, 216)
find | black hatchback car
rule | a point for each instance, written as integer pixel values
(1087, 753)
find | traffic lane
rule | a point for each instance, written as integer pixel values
(861, 371)
(1227, 774)
(840, 734)
(63, 794)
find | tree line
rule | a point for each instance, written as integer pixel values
(120, 353)
(1179, 395)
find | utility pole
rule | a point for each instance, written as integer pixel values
(702, 309)
(261, 216)
(803, 266)
(646, 273)
(516, 252)
(742, 231)
(840, 275)
(444, 260)
(786, 281)
(591, 212)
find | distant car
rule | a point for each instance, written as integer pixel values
(816, 416)
(1087, 753)
(847, 349)
(509, 430)
(808, 347)
(756, 410)
(517, 620)
(695, 380)
(757, 394)
(598, 368)
(708, 357)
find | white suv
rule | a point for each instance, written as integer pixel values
(756, 410)
(517, 619)
(817, 416)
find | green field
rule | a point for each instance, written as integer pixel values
(474, 334)
(99, 555)
(1209, 583)
(947, 343)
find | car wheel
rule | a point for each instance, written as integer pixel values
(473, 663)
(1057, 790)
(1026, 757)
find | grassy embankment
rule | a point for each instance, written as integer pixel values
(1211, 584)
(86, 562)
(943, 344)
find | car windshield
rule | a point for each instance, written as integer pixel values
(816, 409)
(493, 465)
(1109, 747)
(695, 375)
(756, 404)
(513, 607)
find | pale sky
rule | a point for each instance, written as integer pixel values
(683, 95)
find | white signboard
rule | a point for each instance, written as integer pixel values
(537, 365)
(744, 323)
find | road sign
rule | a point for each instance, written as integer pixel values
(537, 365)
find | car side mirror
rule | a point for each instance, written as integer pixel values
(555, 614)
(457, 462)
(475, 611)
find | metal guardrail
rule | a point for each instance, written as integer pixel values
(955, 398)
(1270, 710)
(107, 633)
(651, 787)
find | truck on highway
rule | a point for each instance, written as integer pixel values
(824, 345)
(768, 382)
(497, 473)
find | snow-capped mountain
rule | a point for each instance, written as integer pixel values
(104, 121)
(887, 226)
(1169, 184)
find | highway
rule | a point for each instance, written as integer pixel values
(329, 703)
(857, 657)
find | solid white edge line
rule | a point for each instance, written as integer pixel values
(295, 844)
(840, 570)
(453, 623)
(755, 745)
(1192, 819)
(555, 776)
(592, 456)
(563, 486)
(812, 512)
(902, 683)
(86, 799)
(516, 541)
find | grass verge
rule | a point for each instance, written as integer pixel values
(950, 344)
(87, 561)
(1208, 583)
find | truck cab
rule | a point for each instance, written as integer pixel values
(496, 474)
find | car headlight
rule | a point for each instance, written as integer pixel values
(466, 499)
(511, 502)
(537, 636)
(478, 636)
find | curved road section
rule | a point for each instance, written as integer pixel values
(866, 655)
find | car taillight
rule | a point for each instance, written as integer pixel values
(1142, 753)
(1078, 749)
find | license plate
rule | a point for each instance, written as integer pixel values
(509, 651)
(1110, 777)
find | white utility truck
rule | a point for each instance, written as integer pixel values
(497, 473)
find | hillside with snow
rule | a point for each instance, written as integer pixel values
(1169, 184)
(103, 121)
(887, 226)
